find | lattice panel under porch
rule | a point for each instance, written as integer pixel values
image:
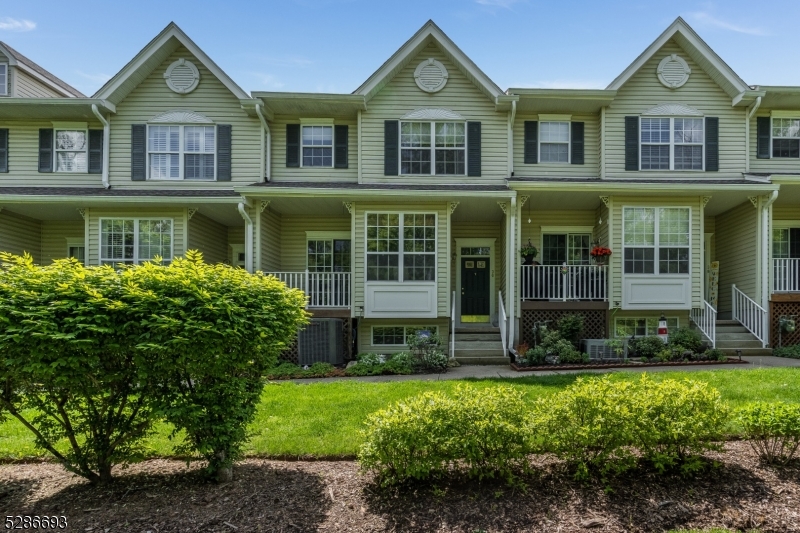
(594, 322)
(779, 309)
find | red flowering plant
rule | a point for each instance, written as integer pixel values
(600, 253)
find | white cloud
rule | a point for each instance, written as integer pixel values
(703, 17)
(97, 78)
(9, 24)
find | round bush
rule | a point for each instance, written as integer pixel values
(773, 429)
(686, 338)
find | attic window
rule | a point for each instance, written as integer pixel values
(431, 76)
(673, 71)
(3, 79)
(182, 76)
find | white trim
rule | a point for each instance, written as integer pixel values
(476, 243)
(323, 235)
(432, 148)
(674, 110)
(555, 118)
(405, 334)
(71, 126)
(181, 152)
(181, 116)
(195, 76)
(686, 71)
(433, 113)
(540, 142)
(316, 121)
(785, 224)
(135, 260)
(309, 124)
(444, 75)
(399, 281)
(6, 88)
(796, 116)
(672, 145)
(777, 113)
(567, 229)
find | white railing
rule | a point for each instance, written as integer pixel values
(786, 275)
(323, 289)
(503, 322)
(705, 318)
(453, 325)
(749, 314)
(565, 282)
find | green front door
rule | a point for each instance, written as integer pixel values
(475, 289)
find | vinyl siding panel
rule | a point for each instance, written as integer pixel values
(310, 174)
(271, 226)
(777, 165)
(54, 238)
(644, 91)
(591, 139)
(711, 227)
(401, 95)
(209, 237)
(294, 247)
(502, 260)
(736, 251)
(785, 212)
(20, 234)
(365, 333)
(533, 230)
(29, 87)
(211, 98)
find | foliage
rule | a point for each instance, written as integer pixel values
(372, 364)
(570, 327)
(528, 249)
(400, 363)
(600, 251)
(428, 354)
(477, 432)
(536, 356)
(670, 354)
(715, 354)
(287, 370)
(686, 338)
(553, 344)
(788, 351)
(616, 346)
(773, 429)
(646, 347)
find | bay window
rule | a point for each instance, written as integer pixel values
(135, 240)
(395, 239)
(656, 240)
(428, 148)
(672, 144)
(182, 152)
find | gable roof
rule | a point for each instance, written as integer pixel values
(151, 56)
(15, 59)
(429, 32)
(698, 50)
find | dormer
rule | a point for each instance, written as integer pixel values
(22, 78)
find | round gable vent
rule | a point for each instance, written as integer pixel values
(673, 71)
(182, 76)
(431, 76)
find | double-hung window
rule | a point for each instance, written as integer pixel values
(786, 137)
(4, 79)
(656, 240)
(641, 327)
(72, 150)
(317, 146)
(433, 148)
(134, 240)
(182, 152)
(570, 248)
(395, 239)
(554, 142)
(672, 143)
(328, 255)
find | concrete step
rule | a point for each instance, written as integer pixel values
(734, 345)
(747, 351)
(478, 337)
(480, 352)
(479, 345)
(737, 336)
(479, 328)
(482, 360)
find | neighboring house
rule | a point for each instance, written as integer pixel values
(403, 206)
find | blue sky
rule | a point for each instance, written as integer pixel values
(334, 45)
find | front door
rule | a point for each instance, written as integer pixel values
(475, 289)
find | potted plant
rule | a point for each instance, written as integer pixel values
(600, 254)
(528, 252)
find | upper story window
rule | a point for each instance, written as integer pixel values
(395, 239)
(134, 240)
(433, 148)
(317, 146)
(181, 152)
(72, 150)
(554, 142)
(656, 236)
(4, 79)
(786, 137)
(672, 143)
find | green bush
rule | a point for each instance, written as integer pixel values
(476, 432)
(428, 353)
(647, 347)
(687, 339)
(715, 354)
(788, 351)
(773, 429)
(570, 327)
(400, 363)
(287, 370)
(536, 356)
(372, 364)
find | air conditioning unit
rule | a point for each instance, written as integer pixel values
(599, 351)
(322, 341)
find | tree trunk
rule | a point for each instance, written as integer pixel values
(223, 470)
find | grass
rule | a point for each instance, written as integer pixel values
(323, 419)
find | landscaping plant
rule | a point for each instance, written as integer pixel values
(646, 347)
(570, 327)
(685, 339)
(427, 350)
(773, 429)
(788, 351)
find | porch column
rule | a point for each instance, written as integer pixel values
(248, 235)
(512, 278)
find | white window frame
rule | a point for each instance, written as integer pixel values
(568, 143)
(330, 236)
(135, 260)
(433, 329)
(400, 253)
(5, 86)
(645, 318)
(672, 145)
(181, 152)
(432, 147)
(656, 242)
(565, 230)
(772, 136)
(76, 128)
(332, 145)
(77, 242)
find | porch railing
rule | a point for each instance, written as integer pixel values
(323, 289)
(565, 282)
(749, 314)
(453, 326)
(705, 318)
(786, 275)
(503, 322)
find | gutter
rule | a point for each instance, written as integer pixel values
(248, 237)
(259, 112)
(106, 144)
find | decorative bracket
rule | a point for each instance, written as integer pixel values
(606, 200)
(522, 200)
(705, 200)
(81, 211)
(348, 206)
(191, 212)
(264, 204)
(754, 201)
(503, 206)
(453, 206)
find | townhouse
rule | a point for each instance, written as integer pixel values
(405, 205)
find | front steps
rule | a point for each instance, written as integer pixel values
(732, 336)
(479, 345)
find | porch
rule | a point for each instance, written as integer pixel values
(324, 290)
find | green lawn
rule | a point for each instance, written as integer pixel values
(323, 419)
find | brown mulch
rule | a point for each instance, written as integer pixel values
(522, 368)
(167, 496)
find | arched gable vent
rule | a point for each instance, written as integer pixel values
(181, 116)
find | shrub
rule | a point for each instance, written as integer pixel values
(476, 432)
(570, 327)
(773, 429)
(400, 363)
(646, 347)
(788, 351)
(715, 354)
(285, 370)
(686, 338)
(427, 350)
(536, 356)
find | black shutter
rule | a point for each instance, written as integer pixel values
(4, 150)
(95, 151)
(474, 149)
(391, 147)
(531, 142)
(631, 143)
(223, 152)
(763, 134)
(340, 147)
(577, 143)
(45, 150)
(712, 144)
(138, 152)
(293, 145)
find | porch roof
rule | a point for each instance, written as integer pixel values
(57, 194)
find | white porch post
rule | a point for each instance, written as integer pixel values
(512, 278)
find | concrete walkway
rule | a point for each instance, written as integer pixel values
(505, 371)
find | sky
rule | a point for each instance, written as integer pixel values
(334, 45)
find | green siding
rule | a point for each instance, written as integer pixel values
(20, 234)
(777, 165)
(533, 230)
(209, 237)
(27, 86)
(271, 224)
(736, 237)
(365, 333)
(591, 139)
(54, 238)
(294, 250)
(281, 173)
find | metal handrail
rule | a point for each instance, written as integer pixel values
(749, 314)
(564, 282)
(503, 322)
(705, 319)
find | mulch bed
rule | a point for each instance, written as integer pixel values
(162, 496)
(520, 368)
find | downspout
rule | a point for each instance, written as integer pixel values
(248, 237)
(267, 170)
(765, 270)
(753, 108)
(511, 138)
(106, 143)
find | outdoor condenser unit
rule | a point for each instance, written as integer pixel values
(322, 341)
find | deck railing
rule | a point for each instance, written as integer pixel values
(323, 289)
(565, 282)
(786, 275)
(705, 318)
(749, 314)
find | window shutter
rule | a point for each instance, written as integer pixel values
(391, 147)
(712, 144)
(531, 142)
(576, 142)
(95, 151)
(763, 134)
(45, 150)
(4, 150)
(138, 152)
(224, 152)
(293, 145)
(340, 147)
(474, 149)
(631, 143)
